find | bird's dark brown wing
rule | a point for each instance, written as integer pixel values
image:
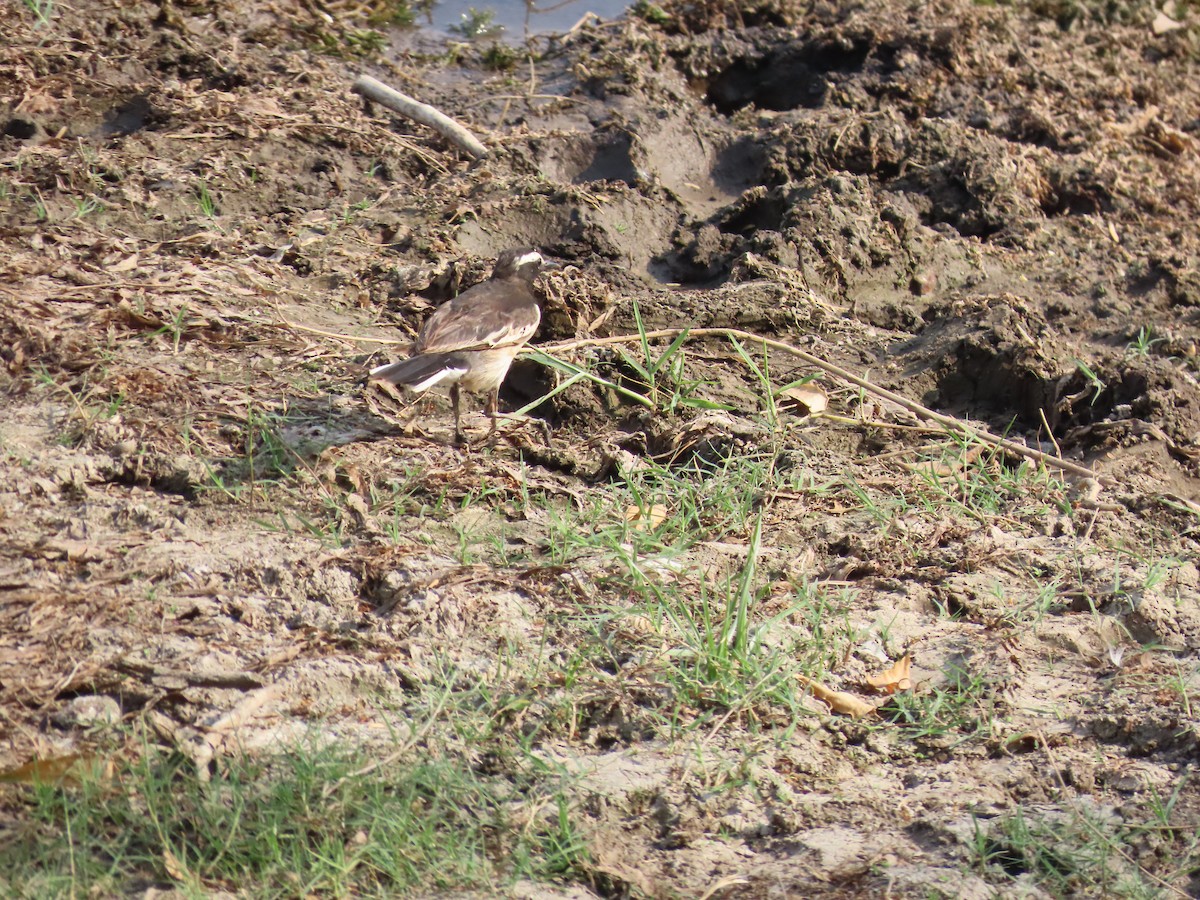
(490, 315)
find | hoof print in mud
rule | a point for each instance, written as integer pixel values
(788, 77)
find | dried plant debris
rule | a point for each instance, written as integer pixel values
(850, 549)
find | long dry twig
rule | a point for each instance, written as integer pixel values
(950, 423)
(451, 130)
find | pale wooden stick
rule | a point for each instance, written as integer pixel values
(951, 424)
(420, 112)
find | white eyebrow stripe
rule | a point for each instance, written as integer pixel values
(531, 257)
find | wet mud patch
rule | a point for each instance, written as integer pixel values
(1003, 357)
(579, 159)
(791, 76)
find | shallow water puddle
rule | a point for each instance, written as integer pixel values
(516, 19)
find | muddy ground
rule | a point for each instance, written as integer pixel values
(990, 210)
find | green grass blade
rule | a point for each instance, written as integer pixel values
(572, 369)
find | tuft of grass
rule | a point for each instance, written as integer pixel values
(401, 13)
(976, 480)
(1143, 342)
(703, 501)
(265, 459)
(362, 42)
(1085, 850)
(476, 23)
(89, 404)
(654, 380)
(650, 12)
(1030, 614)
(175, 327)
(660, 376)
(766, 387)
(693, 645)
(205, 202)
(314, 819)
(729, 664)
(500, 57)
(86, 206)
(945, 716)
(329, 533)
(1094, 381)
(43, 11)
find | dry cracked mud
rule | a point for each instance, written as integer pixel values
(206, 239)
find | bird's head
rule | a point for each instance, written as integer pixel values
(521, 262)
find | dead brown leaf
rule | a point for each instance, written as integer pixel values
(53, 770)
(804, 399)
(174, 867)
(646, 519)
(894, 679)
(1163, 23)
(838, 701)
(70, 549)
(128, 264)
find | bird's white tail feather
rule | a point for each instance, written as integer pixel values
(447, 374)
(421, 372)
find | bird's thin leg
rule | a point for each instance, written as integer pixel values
(458, 435)
(493, 401)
